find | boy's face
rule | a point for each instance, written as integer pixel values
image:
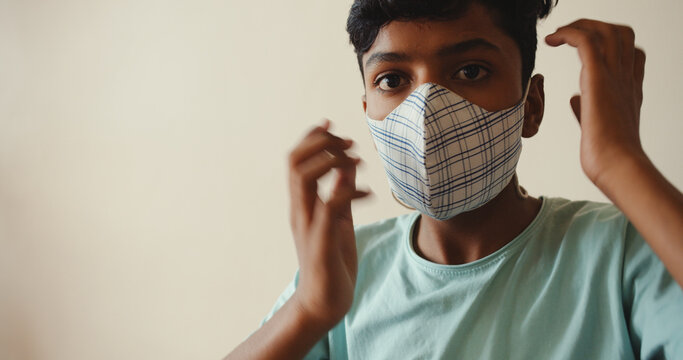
(470, 56)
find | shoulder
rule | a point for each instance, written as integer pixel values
(597, 211)
(600, 239)
(596, 229)
(584, 219)
(587, 237)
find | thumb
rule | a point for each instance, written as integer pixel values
(575, 102)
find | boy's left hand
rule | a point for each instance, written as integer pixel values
(611, 154)
(611, 84)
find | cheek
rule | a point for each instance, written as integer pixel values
(499, 95)
(379, 107)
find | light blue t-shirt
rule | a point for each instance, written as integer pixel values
(578, 283)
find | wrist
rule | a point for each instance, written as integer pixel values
(311, 321)
(618, 171)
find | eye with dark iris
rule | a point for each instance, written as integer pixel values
(471, 72)
(389, 81)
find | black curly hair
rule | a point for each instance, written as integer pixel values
(517, 18)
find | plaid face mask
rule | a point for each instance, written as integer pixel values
(444, 155)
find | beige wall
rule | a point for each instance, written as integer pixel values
(143, 203)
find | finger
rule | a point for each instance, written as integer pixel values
(304, 185)
(628, 38)
(587, 44)
(310, 171)
(575, 102)
(346, 176)
(303, 188)
(316, 143)
(614, 43)
(639, 68)
(639, 76)
(325, 126)
(345, 179)
(608, 39)
(327, 214)
(338, 204)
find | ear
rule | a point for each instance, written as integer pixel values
(534, 106)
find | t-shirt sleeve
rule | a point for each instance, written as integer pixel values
(653, 302)
(321, 349)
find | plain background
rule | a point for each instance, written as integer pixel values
(143, 193)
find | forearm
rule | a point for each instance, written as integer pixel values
(289, 334)
(652, 204)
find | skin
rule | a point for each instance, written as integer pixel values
(608, 109)
(475, 59)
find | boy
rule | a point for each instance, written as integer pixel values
(481, 270)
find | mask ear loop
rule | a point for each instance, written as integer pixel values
(401, 202)
(526, 90)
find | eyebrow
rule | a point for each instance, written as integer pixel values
(468, 45)
(448, 50)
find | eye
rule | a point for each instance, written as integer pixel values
(390, 82)
(471, 72)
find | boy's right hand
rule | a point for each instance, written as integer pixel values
(323, 231)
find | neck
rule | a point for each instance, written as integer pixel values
(475, 234)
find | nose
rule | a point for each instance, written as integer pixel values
(430, 74)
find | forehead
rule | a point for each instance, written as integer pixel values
(426, 38)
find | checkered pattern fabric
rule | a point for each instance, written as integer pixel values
(444, 155)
